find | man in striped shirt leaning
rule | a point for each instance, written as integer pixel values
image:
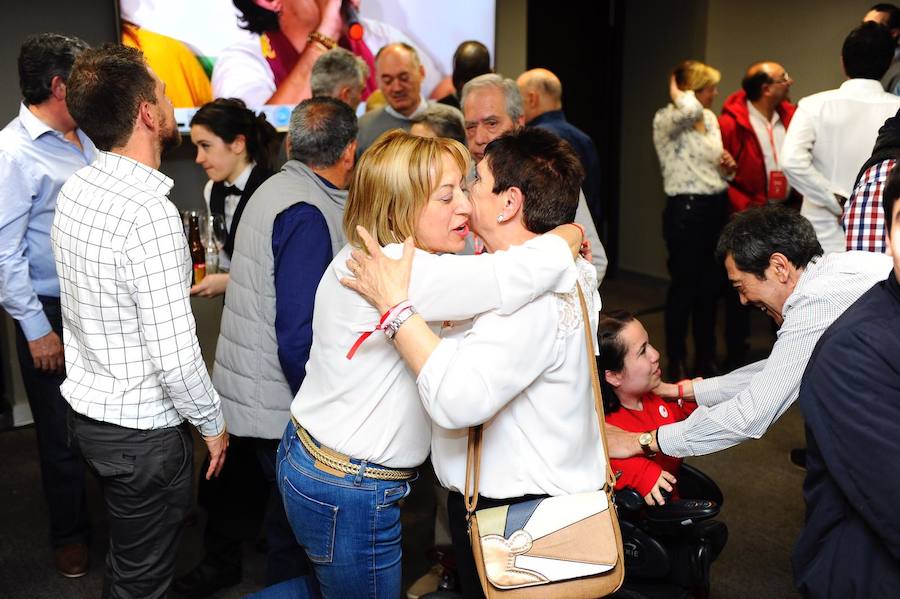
(775, 263)
(134, 371)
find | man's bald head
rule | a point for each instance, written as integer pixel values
(399, 74)
(766, 80)
(541, 92)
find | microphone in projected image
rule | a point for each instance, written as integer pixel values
(351, 21)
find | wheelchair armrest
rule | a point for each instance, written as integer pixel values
(628, 499)
(694, 484)
(683, 511)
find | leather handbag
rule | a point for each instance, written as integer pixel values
(565, 547)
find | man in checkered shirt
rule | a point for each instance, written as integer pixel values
(134, 372)
(863, 218)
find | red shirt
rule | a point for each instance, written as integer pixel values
(640, 472)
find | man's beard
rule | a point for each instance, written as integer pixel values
(171, 139)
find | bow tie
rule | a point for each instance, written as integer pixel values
(232, 190)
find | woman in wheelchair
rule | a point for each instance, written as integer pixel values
(670, 546)
(629, 371)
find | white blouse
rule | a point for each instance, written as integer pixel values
(525, 377)
(231, 202)
(688, 158)
(368, 407)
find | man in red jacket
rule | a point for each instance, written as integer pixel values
(753, 122)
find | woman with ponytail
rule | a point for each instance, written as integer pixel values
(236, 148)
(629, 373)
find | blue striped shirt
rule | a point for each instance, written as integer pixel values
(35, 161)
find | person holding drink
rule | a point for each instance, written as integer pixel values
(235, 147)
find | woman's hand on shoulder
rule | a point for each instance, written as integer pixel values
(382, 281)
(211, 286)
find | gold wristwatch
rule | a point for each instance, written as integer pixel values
(646, 441)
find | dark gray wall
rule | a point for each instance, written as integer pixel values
(657, 36)
(91, 20)
(94, 22)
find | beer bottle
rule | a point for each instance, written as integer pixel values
(195, 245)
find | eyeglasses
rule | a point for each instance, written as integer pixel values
(785, 78)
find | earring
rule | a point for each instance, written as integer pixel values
(499, 218)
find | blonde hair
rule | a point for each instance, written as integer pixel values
(392, 183)
(693, 75)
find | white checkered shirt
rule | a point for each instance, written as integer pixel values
(132, 356)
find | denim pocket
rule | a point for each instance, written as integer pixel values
(313, 522)
(394, 494)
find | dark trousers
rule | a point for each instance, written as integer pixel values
(737, 329)
(243, 494)
(691, 227)
(62, 469)
(145, 476)
(470, 585)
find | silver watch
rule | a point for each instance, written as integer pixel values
(391, 329)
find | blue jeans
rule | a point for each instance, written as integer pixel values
(349, 526)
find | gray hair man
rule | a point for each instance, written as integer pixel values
(340, 74)
(399, 73)
(39, 149)
(492, 106)
(440, 120)
(290, 230)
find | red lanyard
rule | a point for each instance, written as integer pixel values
(769, 130)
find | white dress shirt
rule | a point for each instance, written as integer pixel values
(525, 377)
(132, 356)
(831, 135)
(688, 158)
(762, 127)
(743, 404)
(367, 407)
(231, 202)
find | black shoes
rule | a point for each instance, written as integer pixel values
(206, 579)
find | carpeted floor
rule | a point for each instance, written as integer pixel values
(763, 503)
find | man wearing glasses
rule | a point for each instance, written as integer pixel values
(754, 121)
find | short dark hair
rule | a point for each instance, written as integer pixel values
(255, 18)
(229, 117)
(754, 235)
(471, 59)
(868, 51)
(43, 57)
(889, 197)
(105, 91)
(892, 11)
(545, 168)
(753, 84)
(320, 130)
(612, 353)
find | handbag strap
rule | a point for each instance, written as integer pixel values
(473, 453)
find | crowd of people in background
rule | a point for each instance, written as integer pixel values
(414, 272)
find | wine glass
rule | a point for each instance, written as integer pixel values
(219, 232)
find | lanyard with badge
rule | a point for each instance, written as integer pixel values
(778, 185)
